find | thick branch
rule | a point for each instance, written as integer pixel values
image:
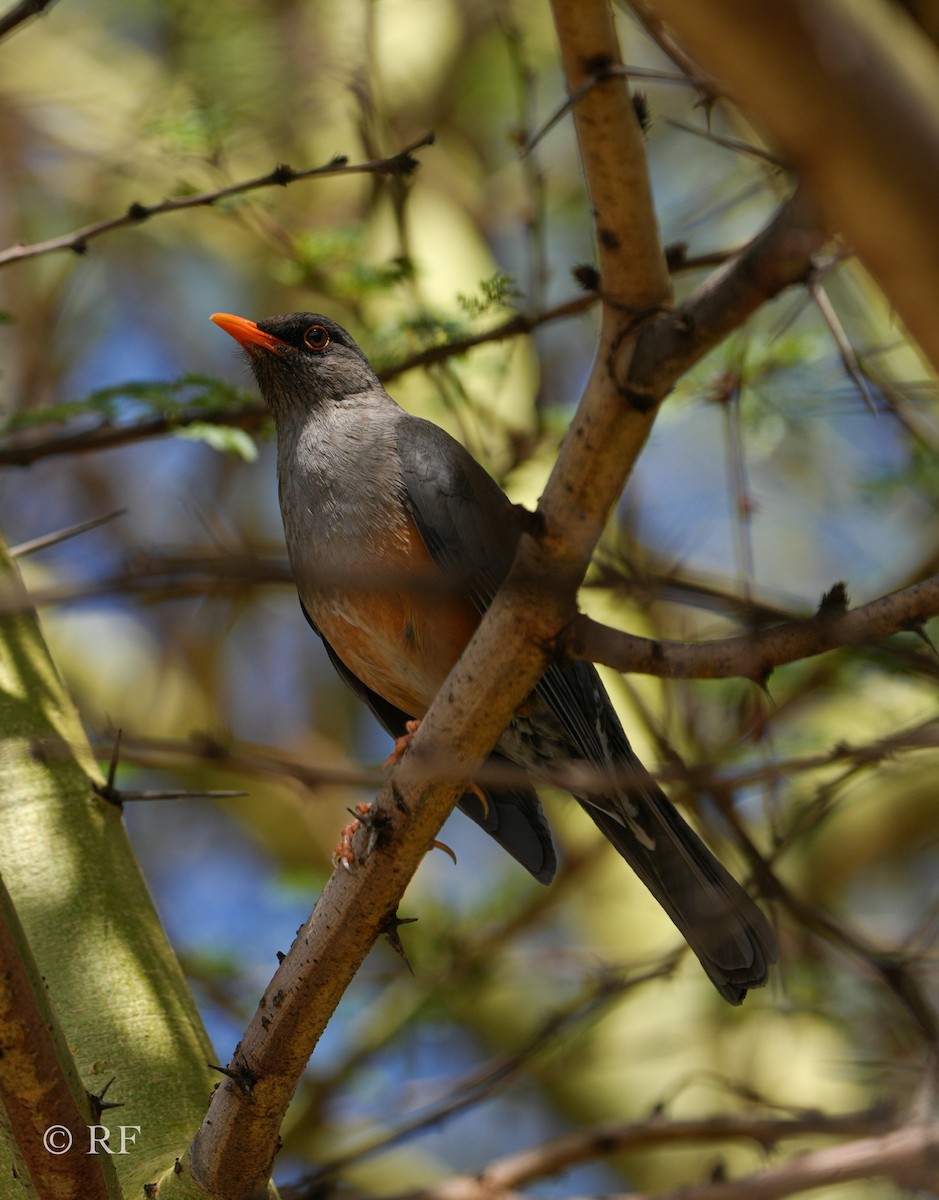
(755, 655)
(39, 1084)
(850, 92)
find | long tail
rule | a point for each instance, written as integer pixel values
(720, 922)
(730, 935)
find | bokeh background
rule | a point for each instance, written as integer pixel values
(779, 468)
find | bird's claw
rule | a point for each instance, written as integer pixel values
(402, 743)
(343, 855)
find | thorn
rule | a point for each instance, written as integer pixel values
(389, 928)
(363, 817)
(587, 275)
(835, 601)
(98, 1102)
(115, 756)
(107, 791)
(641, 107)
(242, 1077)
(676, 255)
(919, 628)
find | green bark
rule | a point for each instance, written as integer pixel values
(112, 980)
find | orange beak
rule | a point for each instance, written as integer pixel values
(246, 333)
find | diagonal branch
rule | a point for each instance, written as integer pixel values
(233, 1151)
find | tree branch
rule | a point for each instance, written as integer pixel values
(754, 655)
(515, 1171)
(40, 1088)
(778, 257)
(232, 1153)
(906, 1156)
(77, 241)
(851, 95)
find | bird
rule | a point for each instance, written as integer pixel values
(398, 540)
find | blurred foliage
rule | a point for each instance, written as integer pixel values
(767, 479)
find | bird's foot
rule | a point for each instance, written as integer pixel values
(402, 743)
(344, 856)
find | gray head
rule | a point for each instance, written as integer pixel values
(301, 360)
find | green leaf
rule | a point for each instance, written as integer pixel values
(227, 439)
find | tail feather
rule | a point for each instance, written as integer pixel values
(730, 936)
(515, 818)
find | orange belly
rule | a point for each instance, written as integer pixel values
(401, 642)
(400, 648)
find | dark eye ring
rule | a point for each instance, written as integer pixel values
(316, 338)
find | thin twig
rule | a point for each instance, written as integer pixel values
(21, 12)
(77, 241)
(63, 535)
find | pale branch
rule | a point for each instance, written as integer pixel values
(518, 1170)
(233, 1151)
(861, 78)
(755, 655)
(402, 163)
(905, 1156)
(23, 11)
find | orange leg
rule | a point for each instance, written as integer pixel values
(342, 855)
(402, 743)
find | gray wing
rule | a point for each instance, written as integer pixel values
(471, 531)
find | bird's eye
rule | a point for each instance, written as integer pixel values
(316, 338)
